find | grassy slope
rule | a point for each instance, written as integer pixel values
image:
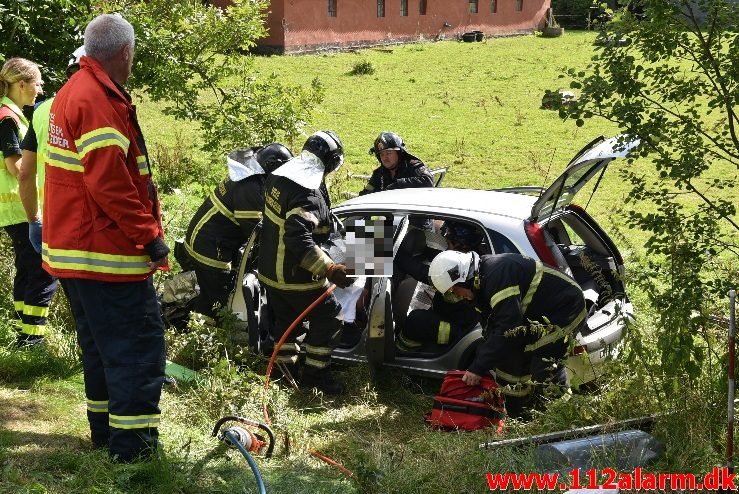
(473, 107)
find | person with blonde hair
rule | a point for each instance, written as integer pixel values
(20, 84)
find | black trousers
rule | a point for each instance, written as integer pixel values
(215, 287)
(33, 287)
(324, 330)
(121, 334)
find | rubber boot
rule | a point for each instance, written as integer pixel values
(322, 380)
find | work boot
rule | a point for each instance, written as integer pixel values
(322, 380)
(25, 340)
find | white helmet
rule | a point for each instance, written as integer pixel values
(451, 267)
(74, 58)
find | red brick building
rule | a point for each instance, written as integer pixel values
(308, 25)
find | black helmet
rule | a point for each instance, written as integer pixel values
(387, 140)
(272, 156)
(464, 236)
(327, 146)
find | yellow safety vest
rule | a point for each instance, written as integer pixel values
(11, 208)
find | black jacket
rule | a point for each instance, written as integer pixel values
(296, 222)
(224, 222)
(411, 172)
(514, 291)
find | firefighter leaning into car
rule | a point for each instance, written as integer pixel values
(398, 168)
(225, 220)
(529, 311)
(292, 266)
(450, 317)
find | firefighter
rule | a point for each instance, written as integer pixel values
(103, 238)
(530, 313)
(398, 168)
(225, 220)
(293, 267)
(450, 317)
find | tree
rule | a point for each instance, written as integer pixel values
(673, 81)
(194, 58)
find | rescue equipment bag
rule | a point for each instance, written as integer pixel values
(468, 408)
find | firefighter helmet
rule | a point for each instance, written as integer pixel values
(451, 267)
(327, 146)
(462, 235)
(387, 140)
(74, 60)
(272, 156)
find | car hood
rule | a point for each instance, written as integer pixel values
(584, 166)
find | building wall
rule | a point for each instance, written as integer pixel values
(304, 25)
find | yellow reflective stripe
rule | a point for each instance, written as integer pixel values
(322, 283)
(444, 329)
(306, 215)
(320, 364)
(95, 262)
(33, 329)
(100, 138)
(532, 287)
(97, 406)
(280, 261)
(64, 158)
(287, 359)
(222, 208)
(511, 378)
(133, 421)
(318, 350)
(243, 214)
(143, 165)
(10, 197)
(18, 305)
(557, 334)
(561, 276)
(515, 390)
(214, 263)
(511, 291)
(35, 310)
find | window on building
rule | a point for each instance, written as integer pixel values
(493, 6)
(473, 6)
(380, 8)
(403, 8)
(422, 7)
(332, 8)
(519, 5)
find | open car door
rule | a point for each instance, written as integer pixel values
(592, 159)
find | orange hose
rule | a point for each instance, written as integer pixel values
(333, 463)
(279, 344)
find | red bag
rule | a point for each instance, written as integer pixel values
(469, 408)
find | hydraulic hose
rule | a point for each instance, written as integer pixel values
(252, 464)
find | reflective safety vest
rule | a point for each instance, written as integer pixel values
(11, 208)
(40, 121)
(100, 206)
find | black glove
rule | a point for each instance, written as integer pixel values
(336, 273)
(156, 249)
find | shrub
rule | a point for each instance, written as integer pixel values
(364, 67)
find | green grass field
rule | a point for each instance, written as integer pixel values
(471, 106)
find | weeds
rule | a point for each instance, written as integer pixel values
(364, 67)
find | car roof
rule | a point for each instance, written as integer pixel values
(447, 200)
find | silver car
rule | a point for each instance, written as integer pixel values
(541, 223)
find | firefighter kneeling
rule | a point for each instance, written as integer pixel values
(293, 268)
(531, 312)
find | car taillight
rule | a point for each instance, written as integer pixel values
(535, 233)
(579, 350)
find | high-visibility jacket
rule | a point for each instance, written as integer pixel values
(512, 292)
(296, 221)
(100, 207)
(40, 122)
(225, 220)
(11, 208)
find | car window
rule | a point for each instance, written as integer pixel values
(501, 244)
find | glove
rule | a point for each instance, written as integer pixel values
(336, 273)
(34, 235)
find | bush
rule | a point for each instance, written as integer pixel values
(364, 67)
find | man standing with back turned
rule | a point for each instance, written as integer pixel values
(102, 237)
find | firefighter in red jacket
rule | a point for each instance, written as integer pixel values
(102, 238)
(530, 312)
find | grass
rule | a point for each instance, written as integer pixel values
(471, 106)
